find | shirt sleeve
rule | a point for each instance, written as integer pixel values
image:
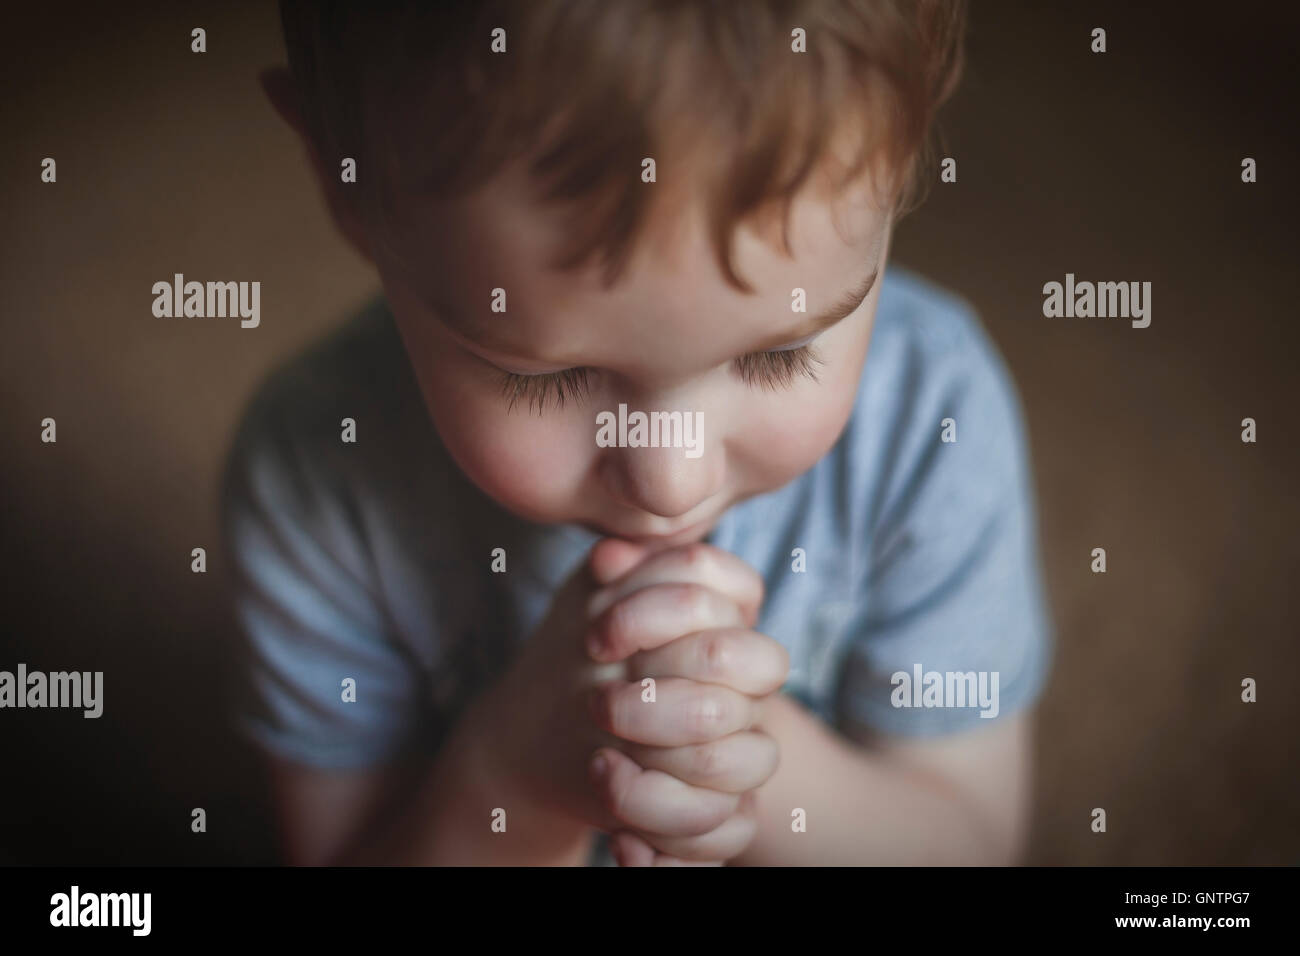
(953, 589)
(305, 601)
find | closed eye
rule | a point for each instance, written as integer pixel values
(571, 384)
(778, 369)
(771, 370)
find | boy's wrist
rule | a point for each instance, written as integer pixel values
(481, 752)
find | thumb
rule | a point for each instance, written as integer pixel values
(611, 558)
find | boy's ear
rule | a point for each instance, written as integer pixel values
(282, 91)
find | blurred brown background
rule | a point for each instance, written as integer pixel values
(1122, 166)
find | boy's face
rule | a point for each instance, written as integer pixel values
(666, 337)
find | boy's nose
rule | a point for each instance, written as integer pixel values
(662, 481)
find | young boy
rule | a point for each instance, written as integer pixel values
(544, 559)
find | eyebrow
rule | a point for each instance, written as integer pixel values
(842, 309)
(478, 333)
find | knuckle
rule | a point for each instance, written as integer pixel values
(712, 813)
(780, 657)
(615, 799)
(692, 600)
(696, 555)
(622, 712)
(719, 654)
(616, 625)
(708, 761)
(708, 712)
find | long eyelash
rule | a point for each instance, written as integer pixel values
(770, 370)
(775, 370)
(568, 385)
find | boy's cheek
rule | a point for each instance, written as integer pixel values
(529, 465)
(804, 441)
(808, 426)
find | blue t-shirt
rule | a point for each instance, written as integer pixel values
(908, 549)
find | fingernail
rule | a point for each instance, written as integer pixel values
(593, 644)
(599, 767)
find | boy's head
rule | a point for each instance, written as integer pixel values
(787, 138)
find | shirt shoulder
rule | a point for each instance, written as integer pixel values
(302, 518)
(951, 577)
(937, 406)
(357, 371)
(916, 532)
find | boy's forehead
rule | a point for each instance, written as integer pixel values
(671, 298)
